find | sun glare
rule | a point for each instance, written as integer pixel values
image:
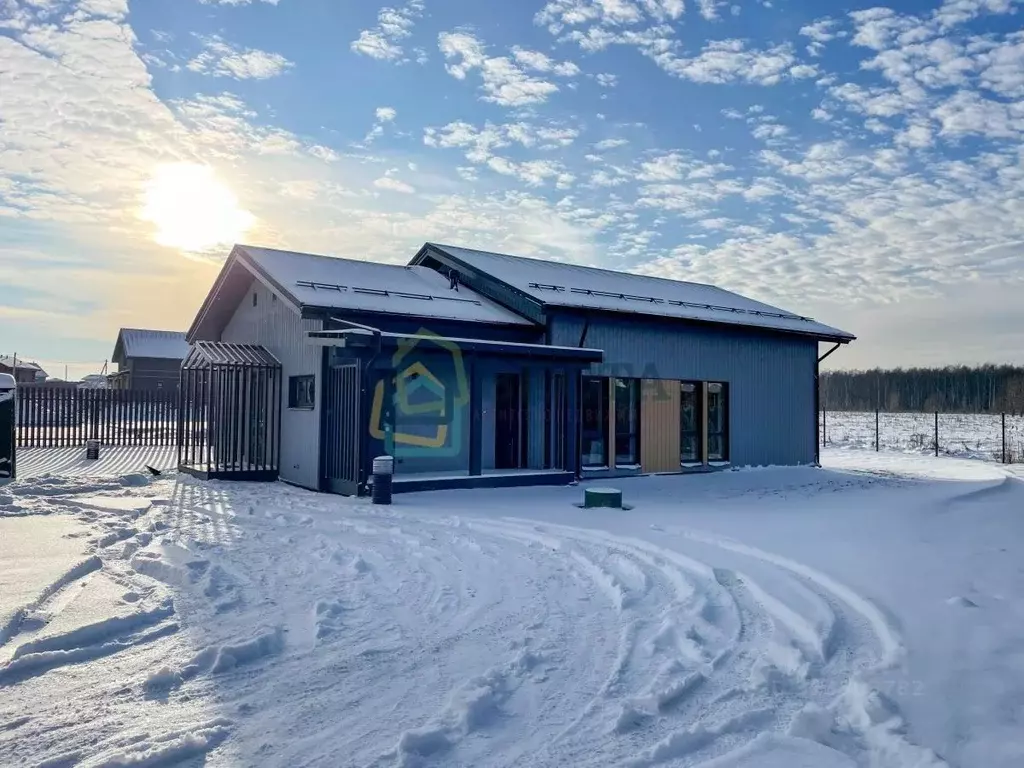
(192, 209)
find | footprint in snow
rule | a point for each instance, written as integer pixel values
(962, 602)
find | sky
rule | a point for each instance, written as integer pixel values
(857, 163)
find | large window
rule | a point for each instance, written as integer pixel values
(594, 424)
(718, 422)
(627, 422)
(691, 417)
(301, 392)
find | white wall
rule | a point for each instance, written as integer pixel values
(272, 324)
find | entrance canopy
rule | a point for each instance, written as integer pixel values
(359, 338)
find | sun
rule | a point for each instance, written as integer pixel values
(192, 209)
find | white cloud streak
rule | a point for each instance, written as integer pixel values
(384, 41)
(222, 59)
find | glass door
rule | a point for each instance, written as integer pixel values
(718, 422)
(594, 422)
(691, 418)
(627, 422)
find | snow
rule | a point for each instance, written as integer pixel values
(160, 345)
(864, 614)
(114, 461)
(574, 285)
(366, 286)
(968, 435)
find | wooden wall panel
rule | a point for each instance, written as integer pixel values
(659, 425)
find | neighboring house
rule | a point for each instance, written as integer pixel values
(27, 372)
(474, 368)
(58, 384)
(148, 360)
(95, 381)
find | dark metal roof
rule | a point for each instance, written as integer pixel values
(580, 287)
(207, 353)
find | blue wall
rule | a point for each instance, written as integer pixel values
(771, 377)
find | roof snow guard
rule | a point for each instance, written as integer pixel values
(207, 353)
(383, 292)
(670, 302)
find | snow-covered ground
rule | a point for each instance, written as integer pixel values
(67, 462)
(966, 435)
(867, 614)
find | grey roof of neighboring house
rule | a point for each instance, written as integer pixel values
(141, 342)
(325, 282)
(554, 283)
(8, 362)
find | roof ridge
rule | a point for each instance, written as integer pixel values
(325, 257)
(606, 270)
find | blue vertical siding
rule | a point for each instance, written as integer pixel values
(770, 377)
(488, 421)
(533, 379)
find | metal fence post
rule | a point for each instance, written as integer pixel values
(936, 433)
(1004, 438)
(876, 432)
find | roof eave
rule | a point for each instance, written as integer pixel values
(316, 312)
(841, 337)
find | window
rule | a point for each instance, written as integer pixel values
(718, 422)
(594, 422)
(691, 439)
(302, 392)
(627, 422)
(255, 298)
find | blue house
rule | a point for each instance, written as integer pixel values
(482, 369)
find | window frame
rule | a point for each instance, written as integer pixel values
(295, 385)
(601, 432)
(700, 425)
(723, 431)
(632, 434)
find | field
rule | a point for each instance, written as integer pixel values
(966, 435)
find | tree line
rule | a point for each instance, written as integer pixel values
(953, 389)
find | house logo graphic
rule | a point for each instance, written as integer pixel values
(427, 409)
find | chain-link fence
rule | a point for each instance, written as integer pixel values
(989, 436)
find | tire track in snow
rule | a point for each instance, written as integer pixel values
(803, 648)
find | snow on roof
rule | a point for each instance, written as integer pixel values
(366, 286)
(573, 285)
(164, 345)
(8, 362)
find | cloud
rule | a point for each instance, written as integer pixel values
(819, 32)
(725, 61)
(238, 2)
(393, 25)
(709, 8)
(606, 80)
(222, 59)
(390, 183)
(382, 116)
(505, 80)
(481, 144)
(559, 14)
(540, 62)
